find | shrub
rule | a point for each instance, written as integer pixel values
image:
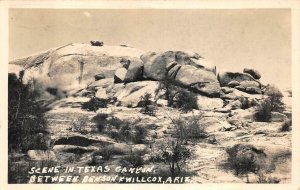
(286, 126)
(244, 158)
(177, 96)
(100, 120)
(175, 155)
(25, 117)
(275, 97)
(139, 134)
(263, 111)
(94, 104)
(147, 104)
(186, 101)
(135, 160)
(80, 124)
(121, 131)
(167, 85)
(189, 129)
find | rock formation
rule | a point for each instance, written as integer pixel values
(70, 76)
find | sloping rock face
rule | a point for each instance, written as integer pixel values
(74, 65)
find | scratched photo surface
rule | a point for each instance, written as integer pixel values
(144, 96)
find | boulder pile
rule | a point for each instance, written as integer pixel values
(124, 73)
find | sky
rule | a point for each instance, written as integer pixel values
(229, 39)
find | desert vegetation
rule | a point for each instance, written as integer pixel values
(245, 159)
(273, 103)
(27, 127)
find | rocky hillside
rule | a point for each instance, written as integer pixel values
(73, 76)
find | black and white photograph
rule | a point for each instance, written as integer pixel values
(150, 96)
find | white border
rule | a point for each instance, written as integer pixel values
(207, 4)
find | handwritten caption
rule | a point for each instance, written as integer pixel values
(100, 174)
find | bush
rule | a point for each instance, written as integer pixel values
(94, 104)
(189, 129)
(100, 120)
(177, 96)
(105, 152)
(139, 135)
(186, 101)
(25, 117)
(175, 155)
(121, 131)
(286, 126)
(275, 97)
(263, 111)
(134, 160)
(80, 124)
(147, 104)
(244, 158)
(167, 85)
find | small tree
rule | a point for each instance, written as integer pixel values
(263, 111)
(186, 101)
(275, 97)
(147, 104)
(175, 155)
(167, 85)
(25, 117)
(177, 96)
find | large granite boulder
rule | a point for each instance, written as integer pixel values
(130, 94)
(254, 73)
(157, 65)
(101, 94)
(202, 81)
(206, 103)
(226, 77)
(120, 75)
(252, 84)
(278, 117)
(41, 155)
(134, 71)
(186, 69)
(243, 115)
